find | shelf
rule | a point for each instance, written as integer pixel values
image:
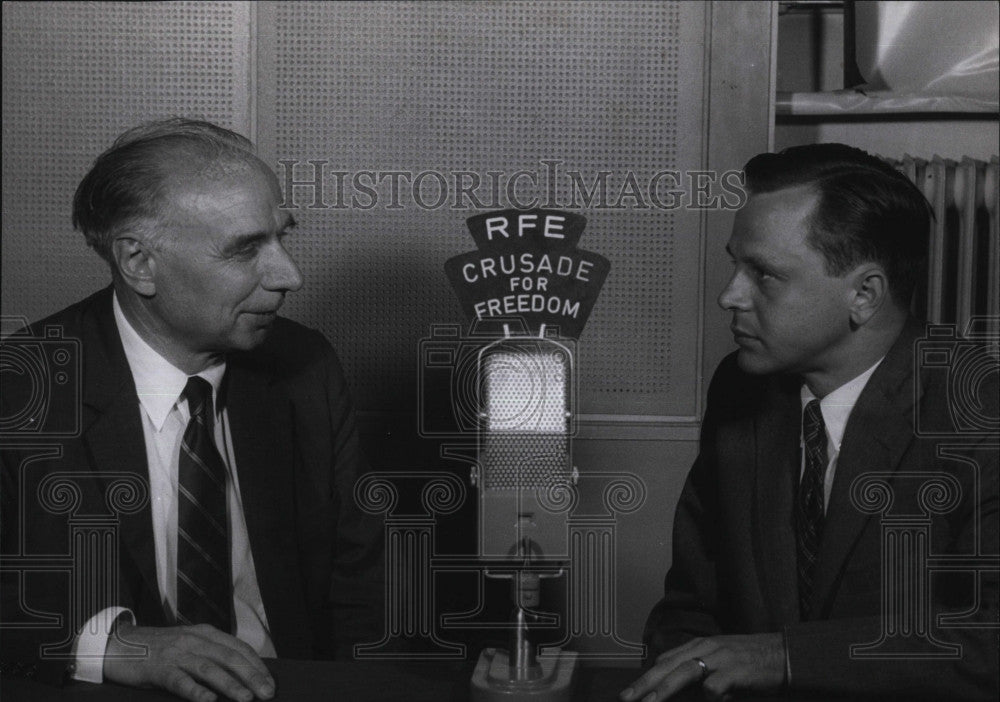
(848, 103)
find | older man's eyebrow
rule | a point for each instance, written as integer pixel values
(245, 241)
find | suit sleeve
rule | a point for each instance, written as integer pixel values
(689, 607)
(28, 626)
(357, 585)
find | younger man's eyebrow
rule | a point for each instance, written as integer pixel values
(754, 260)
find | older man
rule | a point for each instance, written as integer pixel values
(778, 579)
(235, 422)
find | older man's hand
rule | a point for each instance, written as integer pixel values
(194, 662)
(728, 665)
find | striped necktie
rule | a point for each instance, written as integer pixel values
(809, 503)
(204, 585)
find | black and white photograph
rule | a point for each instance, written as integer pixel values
(500, 351)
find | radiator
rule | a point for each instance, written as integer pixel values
(963, 277)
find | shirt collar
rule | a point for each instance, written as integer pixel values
(836, 406)
(158, 382)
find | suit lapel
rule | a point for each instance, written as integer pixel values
(262, 433)
(112, 433)
(260, 421)
(878, 432)
(776, 453)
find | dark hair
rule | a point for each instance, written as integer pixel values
(125, 188)
(867, 211)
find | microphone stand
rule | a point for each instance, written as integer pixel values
(519, 674)
(525, 592)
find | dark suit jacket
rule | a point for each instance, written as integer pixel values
(734, 559)
(318, 558)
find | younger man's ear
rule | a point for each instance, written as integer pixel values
(135, 264)
(870, 293)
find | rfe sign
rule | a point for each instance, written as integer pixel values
(528, 265)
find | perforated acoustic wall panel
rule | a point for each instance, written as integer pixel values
(75, 75)
(548, 89)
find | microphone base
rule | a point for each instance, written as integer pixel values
(493, 681)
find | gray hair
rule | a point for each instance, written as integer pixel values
(126, 188)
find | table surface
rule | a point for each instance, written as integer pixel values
(302, 681)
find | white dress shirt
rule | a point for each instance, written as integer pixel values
(164, 418)
(836, 408)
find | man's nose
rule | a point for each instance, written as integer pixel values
(281, 272)
(735, 296)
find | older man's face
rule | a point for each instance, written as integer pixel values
(221, 270)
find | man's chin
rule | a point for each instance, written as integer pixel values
(754, 363)
(251, 337)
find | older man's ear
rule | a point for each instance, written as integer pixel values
(135, 265)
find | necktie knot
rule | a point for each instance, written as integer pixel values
(813, 427)
(198, 393)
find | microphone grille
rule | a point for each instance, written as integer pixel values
(524, 461)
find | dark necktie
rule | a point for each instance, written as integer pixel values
(204, 590)
(809, 503)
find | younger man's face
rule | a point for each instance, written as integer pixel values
(789, 314)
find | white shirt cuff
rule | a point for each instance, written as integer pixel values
(91, 643)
